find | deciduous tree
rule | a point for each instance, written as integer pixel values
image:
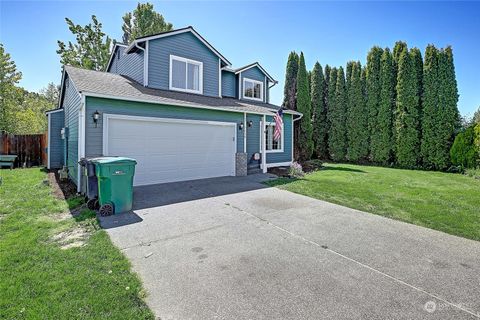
(91, 49)
(143, 21)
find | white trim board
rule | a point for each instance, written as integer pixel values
(106, 96)
(179, 31)
(81, 140)
(272, 123)
(279, 164)
(49, 119)
(256, 64)
(54, 111)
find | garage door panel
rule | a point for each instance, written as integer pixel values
(169, 151)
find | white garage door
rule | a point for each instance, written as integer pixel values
(170, 150)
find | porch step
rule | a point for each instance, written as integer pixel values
(254, 170)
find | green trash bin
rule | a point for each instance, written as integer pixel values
(115, 184)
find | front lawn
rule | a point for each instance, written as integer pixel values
(442, 201)
(55, 266)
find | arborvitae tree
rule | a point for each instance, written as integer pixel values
(397, 51)
(407, 114)
(449, 115)
(382, 145)
(337, 138)
(418, 64)
(290, 89)
(305, 141)
(330, 94)
(373, 91)
(319, 112)
(357, 116)
(430, 104)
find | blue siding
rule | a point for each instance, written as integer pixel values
(255, 74)
(286, 155)
(229, 84)
(55, 141)
(71, 105)
(184, 45)
(253, 139)
(130, 65)
(94, 135)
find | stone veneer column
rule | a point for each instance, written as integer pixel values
(240, 164)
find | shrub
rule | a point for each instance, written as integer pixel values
(296, 170)
(464, 152)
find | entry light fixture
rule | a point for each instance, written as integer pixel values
(240, 126)
(96, 116)
(250, 123)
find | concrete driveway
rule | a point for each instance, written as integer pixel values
(231, 248)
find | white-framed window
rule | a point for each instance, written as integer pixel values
(186, 75)
(252, 89)
(272, 145)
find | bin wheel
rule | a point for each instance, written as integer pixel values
(106, 209)
(91, 204)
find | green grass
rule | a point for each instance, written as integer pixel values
(442, 201)
(39, 280)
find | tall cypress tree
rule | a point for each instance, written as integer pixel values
(382, 148)
(290, 89)
(449, 120)
(373, 89)
(305, 141)
(407, 114)
(357, 116)
(430, 104)
(337, 138)
(319, 112)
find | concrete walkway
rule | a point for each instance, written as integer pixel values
(231, 248)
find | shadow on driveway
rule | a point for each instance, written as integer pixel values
(164, 194)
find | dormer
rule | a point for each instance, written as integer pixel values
(251, 83)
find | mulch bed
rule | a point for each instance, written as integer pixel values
(62, 189)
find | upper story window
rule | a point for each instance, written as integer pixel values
(252, 89)
(186, 75)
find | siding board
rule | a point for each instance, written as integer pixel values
(57, 121)
(184, 45)
(130, 65)
(71, 105)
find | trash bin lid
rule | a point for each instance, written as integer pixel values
(113, 160)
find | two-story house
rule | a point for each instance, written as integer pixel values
(174, 103)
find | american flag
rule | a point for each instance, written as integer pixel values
(278, 125)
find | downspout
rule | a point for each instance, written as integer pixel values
(145, 62)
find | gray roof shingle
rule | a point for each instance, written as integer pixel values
(110, 84)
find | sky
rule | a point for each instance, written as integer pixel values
(329, 32)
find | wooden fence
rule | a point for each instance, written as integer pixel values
(31, 149)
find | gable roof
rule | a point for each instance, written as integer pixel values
(115, 86)
(113, 53)
(252, 65)
(175, 32)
